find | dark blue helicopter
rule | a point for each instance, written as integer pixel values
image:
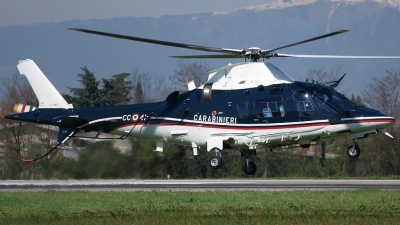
(244, 106)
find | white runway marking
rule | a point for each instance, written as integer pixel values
(195, 185)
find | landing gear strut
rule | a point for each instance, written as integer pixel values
(354, 151)
(216, 161)
(249, 167)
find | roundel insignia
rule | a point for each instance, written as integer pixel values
(135, 117)
(214, 113)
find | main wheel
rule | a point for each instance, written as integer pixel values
(215, 162)
(353, 151)
(250, 169)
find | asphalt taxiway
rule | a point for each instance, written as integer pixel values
(195, 185)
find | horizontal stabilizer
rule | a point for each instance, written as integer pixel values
(46, 93)
(72, 121)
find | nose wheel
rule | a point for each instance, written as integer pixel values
(354, 151)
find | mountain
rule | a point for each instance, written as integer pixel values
(60, 53)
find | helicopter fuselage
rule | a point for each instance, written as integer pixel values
(260, 114)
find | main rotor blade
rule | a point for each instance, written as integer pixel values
(222, 56)
(305, 41)
(159, 42)
(337, 56)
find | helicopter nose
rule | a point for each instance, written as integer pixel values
(389, 121)
(374, 118)
(385, 119)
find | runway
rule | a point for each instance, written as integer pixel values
(196, 185)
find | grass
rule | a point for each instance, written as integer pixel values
(212, 207)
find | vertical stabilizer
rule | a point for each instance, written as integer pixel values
(46, 93)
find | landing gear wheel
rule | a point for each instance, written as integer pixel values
(215, 162)
(250, 169)
(353, 151)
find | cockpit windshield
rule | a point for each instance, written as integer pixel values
(334, 100)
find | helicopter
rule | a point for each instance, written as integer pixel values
(243, 106)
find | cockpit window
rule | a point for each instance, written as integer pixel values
(334, 100)
(303, 104)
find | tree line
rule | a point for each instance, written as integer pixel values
(102, 159)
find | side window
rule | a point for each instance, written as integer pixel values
(303, 103)
(243, 111)
(269, 107)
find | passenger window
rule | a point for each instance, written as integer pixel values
(269, 107)
(243, 110)
(303, 104)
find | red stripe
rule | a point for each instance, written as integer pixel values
(23, 108)
(369, 121)
(249, 127)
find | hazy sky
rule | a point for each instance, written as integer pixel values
(17, 12)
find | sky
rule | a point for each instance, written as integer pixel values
(19, 12)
